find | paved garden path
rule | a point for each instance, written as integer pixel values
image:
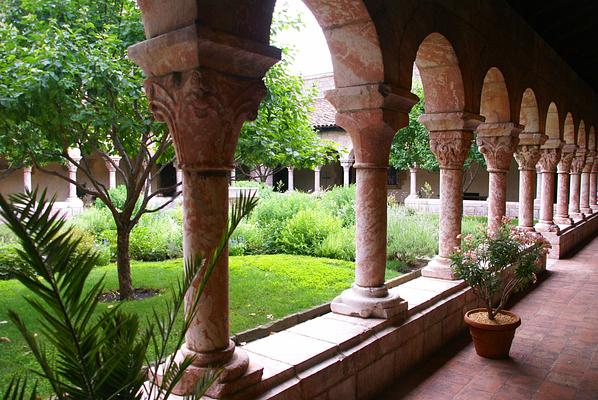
(554, 354)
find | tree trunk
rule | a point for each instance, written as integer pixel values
(123, 264)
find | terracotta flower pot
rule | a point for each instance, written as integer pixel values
(492, 341)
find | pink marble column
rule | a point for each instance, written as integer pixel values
(548, 161)
(584, 202)
(497, 142)
(594, 186)
(575, 185)
(538, 185)
(363, 112)
(204, 99)
(527, 156)
(451, 135)
(413, 183)
(562, 199)
(74, 201)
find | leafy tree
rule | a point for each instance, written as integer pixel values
(411, 146)
(282, 134)
(65, 83)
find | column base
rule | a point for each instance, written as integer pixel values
(594, 208)
(236, 374)
(587, 211)
(412, 197)
(440, 268)
(577, 216)
(547, 226)
(526, 228)
(563, 220)
(74, 202)
(366, 302)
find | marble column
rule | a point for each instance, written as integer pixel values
(575, 185)
(594, 186)
(204, 91)
(346, 164)
(413, 183)
(371, 114)
(527, 156)
(538, 184)
(27, 179)
(179, 174)
(451, 135)
(497, 143)
(317, 180)
(562, 198)
(549, 158)
(291, 179)
(584, 202)
(111, 167)
(233, 175)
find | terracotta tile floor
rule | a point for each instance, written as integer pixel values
(554, 354)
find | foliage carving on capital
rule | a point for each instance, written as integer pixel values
(549, 160)
(564, 165)
(497, 151)
(578, 163)
(204, 110)
(527, 157)
(589, 162)
(450, 149)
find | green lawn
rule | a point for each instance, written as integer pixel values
(262, 288)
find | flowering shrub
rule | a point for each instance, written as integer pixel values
(484, 261)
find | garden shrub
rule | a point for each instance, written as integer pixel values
(157, 237)
(339, 245)
(340, 201)
(410, 237)
(10, 261)
(118, 195)
(304, 233)
(94, 220)
(6, 235)
(248, 239)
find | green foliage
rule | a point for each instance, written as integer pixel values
(11, 262)
(499, 263)
(118, 197)
(96, 358)
(156, 237)
(340, 201)
(95, 220)
(411, 236)
(411, 144)
(304, 233)
(339, 244)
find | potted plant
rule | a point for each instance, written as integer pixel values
(496, 265)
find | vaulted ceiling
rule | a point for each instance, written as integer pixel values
(570, 28)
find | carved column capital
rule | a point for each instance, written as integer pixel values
(371, 114)
(204, 110)
(564, 165)
(527, 157)
(578, 163)
(451, 148)
(549, 159)
(589, 162)
(498, 151)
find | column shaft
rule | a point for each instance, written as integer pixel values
(575, 186)
(317, 180)
(370, 227)
(291, 179)
(526, 198)
(413, 182)
(593, 187)
(527, 156)
(27, 178)
(548, 163)
(585, 184)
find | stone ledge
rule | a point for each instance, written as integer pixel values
(333, 354)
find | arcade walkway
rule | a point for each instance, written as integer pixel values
(554, 354)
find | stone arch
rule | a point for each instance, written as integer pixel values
(553, 130)
(352, 40)
(494, 102)
(592, 139)
(569, 130)
(582, 139)
(441, 76)
(529, 116)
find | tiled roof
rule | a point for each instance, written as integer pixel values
(324, 114)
